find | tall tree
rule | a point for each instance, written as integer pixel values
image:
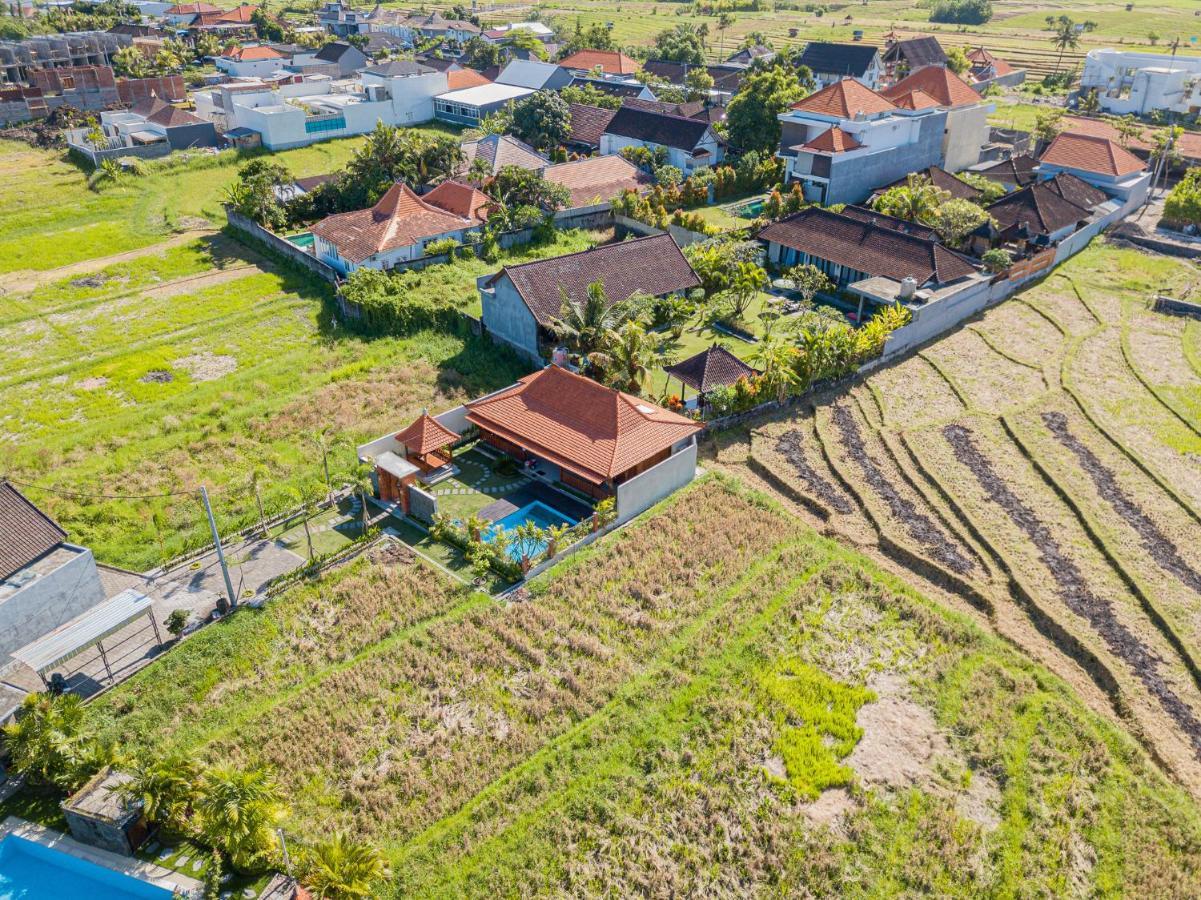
(629, 354)
(1066, 33)
(752, 121)
(915, 201)
(682, 44)
(542, 120)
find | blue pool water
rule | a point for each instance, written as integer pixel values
(304, 240)
(29, 871)
(537, 512)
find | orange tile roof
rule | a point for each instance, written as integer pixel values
(603, 177)
(249, 54)
(400, 219)
(611, 62)
(461, 199)
(240, 14)
(459, 79)
(915, 99)
(1087, 153)
(426, 435)
(833, 140)
(582, 426)
(978, 56)
(940, 83)
(184, 9)
(845, 99)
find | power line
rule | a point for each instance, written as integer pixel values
(40, 487)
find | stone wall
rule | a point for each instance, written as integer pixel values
(281, 246)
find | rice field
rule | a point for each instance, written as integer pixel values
(1042, 462)
(680, 709)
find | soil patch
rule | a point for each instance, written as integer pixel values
(919, 526)
(900, 738)
(92, 281)
(1072, 588)
(207, 366)
(157, 376)
(91, 384)
(1155, 542)
(791, 447)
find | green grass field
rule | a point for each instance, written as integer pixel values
(680, 709)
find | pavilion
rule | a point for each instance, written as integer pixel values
(426, 442)
(712, 368)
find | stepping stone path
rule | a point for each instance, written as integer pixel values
(198, 865)
(249, 893)
(181, 862)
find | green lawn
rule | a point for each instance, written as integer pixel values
(678, 693)
(698, 336)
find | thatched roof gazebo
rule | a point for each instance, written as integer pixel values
(426, 441)
(710, 369)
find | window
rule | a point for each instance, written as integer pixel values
(318, 125)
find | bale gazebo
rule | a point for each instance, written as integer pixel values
(712, 368)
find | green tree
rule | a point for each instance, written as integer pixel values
(1065, 35)
(167, 787)
(1129, 130)
(746, 281)
(343, 869)
(699, 82)
(808, 281)
(776, 359)
(587, 95)
(515, 186)
(682, 44)
(583, 325)
(629, 354)
(526, 542)
(206, 46)
(238, 811)
(915, 201)
(542, 120)
(210, 880)
(254, 193)
(1047, 125)
(752, 121)
(956, 219)
(724, 21)
(957, 60)
(524, 39)
(131, 62)
(393, 154)
(481, 54)
(595, 37)
(50, 742)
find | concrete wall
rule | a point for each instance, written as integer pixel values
(508, 318)
(182, 137)
(48, 601)
(423, 506)
(613, 144)
(854, 176)
(95, 157)
(656, 483)
(967, 131)
(279, 245)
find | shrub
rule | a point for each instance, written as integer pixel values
(177, 621)
(996, 260)
(961, 12)
(1183, 203)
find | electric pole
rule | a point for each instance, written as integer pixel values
(229, 587)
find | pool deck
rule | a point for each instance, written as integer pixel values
(126, 865)
(527, 494)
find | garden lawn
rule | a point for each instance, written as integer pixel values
(698, 336)
(677, 694)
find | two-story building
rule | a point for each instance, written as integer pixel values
(966, 128)
(830, 62)
(689, 143)
(1130, 82)
(397, 229)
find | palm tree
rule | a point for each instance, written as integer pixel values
(363, 486)
(47, 739)
(238, 811)
(916, 201)
(723, 22)
(476, 527)
(166, 788)
(745, 284)
(628, 356)
(528, 540)
(775, 359)
(554, 534)
(582, 325)
(1065, 35)
(258, 474)
(341, 869)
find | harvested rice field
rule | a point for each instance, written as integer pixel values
(681, 709)
(1043, 462)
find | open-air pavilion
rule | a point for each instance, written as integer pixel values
(88, 630)
(712, 368)
(427, 442)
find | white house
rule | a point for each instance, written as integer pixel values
(1140, 83)
(293, 115)
(1100, 162)
(690, 143)
(250, 61)
(501, 33)
(395, 230)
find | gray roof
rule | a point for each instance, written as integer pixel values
(823, 57)
(84, 630)
(529, 73)
(397, 68)
(26, 533)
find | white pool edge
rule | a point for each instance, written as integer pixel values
(126, 865)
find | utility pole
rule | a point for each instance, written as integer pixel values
(229, 587)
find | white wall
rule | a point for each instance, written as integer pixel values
(967, 132)
(1139, 83)
(250, 68)
(659, 481)
(612, 145)
(48, 601)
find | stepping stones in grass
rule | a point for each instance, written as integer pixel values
(182, 861)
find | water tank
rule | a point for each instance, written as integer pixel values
(559, 357)
(908, 288)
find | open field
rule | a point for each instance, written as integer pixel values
(196, 361)
(1043, 463)
(681, 709)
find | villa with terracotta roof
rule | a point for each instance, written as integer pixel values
(988, 69)
(461, 199)
(395, 230)
(610, 62)
(250, 60)
(1097, 160)
(520, 303)
(937, 87)
(595, 180)
(845, 140)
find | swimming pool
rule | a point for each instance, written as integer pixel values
(30, 871)
(537, 512)
(304, 241)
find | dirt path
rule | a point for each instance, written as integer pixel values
(25, 280)
(199, 282)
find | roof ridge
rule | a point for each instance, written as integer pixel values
(538, 262)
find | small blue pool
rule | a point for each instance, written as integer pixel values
(537, 512)
(29, 871)
(304, 240)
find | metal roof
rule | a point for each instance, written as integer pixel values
(84, 630)
(394, 465)
(485, 94)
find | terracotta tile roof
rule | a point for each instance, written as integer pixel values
(426, 435)
(591, 430)
(588, 123)
(249, 54)
(155, 110)
(915, 99)
(1020, 170)
(866, 247)
(184, 9)
(400, 219)
(501, 151)
(598, 179)
(464, 78)
(26, 533)
(981, 58)
(941, 179)
(611, 62)
(461, 199)
(712, 368)
(1091, 154)
(845, 99)
(658, 128)
(1039, 209)
(651, 264)
(238, 14)
(1103, 128)
(938, 82)
(832, 140)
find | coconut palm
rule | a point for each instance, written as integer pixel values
(341, 869)
(916, 201)
(48, 741)
(476, 527)
(238, 811)
(554, 535)
(362, 485)
(582, 325)
(167, 789)
(629, 354)
(1065, 35)
(258, 475)
(775, 359)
